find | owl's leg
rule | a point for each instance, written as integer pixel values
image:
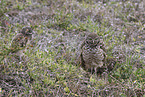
(91, 70)
(95, 69)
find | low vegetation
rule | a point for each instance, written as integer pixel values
(50, 65)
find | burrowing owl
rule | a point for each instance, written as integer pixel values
(20, 40)
(18, 43)
(93, 53)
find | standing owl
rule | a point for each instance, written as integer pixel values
(20, 40)
(18, 44)
(93, 53)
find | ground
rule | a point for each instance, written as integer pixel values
(50, 64)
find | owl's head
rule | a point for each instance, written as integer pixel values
(27, 31)
(93, 39)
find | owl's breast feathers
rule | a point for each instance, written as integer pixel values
(93, 54)
(19, 42)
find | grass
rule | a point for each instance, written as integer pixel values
(50, 67)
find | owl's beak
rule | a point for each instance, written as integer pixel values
(93, 42)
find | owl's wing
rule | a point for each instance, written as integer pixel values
(82, 62)
(18, 43)
(102, 46)
(104, 60)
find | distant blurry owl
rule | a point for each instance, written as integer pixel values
(20, 40)
(17, 46)
(93, 53)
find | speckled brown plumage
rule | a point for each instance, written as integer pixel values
(20, 40)
(93, 53)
